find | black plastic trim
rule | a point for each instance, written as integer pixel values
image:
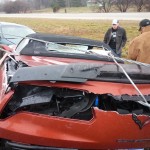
(19, 146)
(81, 72)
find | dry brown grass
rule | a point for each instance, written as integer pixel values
(92, 29)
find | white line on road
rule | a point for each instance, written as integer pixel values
(83, 16)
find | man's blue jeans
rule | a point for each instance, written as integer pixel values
(119, 55)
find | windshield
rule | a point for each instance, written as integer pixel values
(64, 48)
(14, 31)
(29, 46)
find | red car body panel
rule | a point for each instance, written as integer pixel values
(98, 87)
(95, 134)
(37, 60)
(107, 129)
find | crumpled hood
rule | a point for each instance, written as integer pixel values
(81, 72)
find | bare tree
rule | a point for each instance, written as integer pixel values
(8, 7)
(16, 7)
(36, 4)
(106, 4)
(123, 5)
(139, 4)
(84, 2)
(147, 5)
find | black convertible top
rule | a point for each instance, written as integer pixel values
(64, 39)
(30, 49)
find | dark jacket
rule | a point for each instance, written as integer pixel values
(121, 38)
(139, 48)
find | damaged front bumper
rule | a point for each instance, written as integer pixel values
(75, 106)
(55, 115)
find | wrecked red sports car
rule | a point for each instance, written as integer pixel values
(57, 93)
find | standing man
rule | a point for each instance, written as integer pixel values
(139, 48)
(115, 37)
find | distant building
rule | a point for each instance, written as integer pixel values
(93, 3)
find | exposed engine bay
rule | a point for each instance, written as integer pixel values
(68, 103)
(65, 102)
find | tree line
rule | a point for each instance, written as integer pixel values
(24, 6)
(124, 5)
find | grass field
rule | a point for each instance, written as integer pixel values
(92, 29)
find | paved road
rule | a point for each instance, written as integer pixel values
(84, 16)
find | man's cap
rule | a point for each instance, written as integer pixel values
(144, 23)
(115, 21)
